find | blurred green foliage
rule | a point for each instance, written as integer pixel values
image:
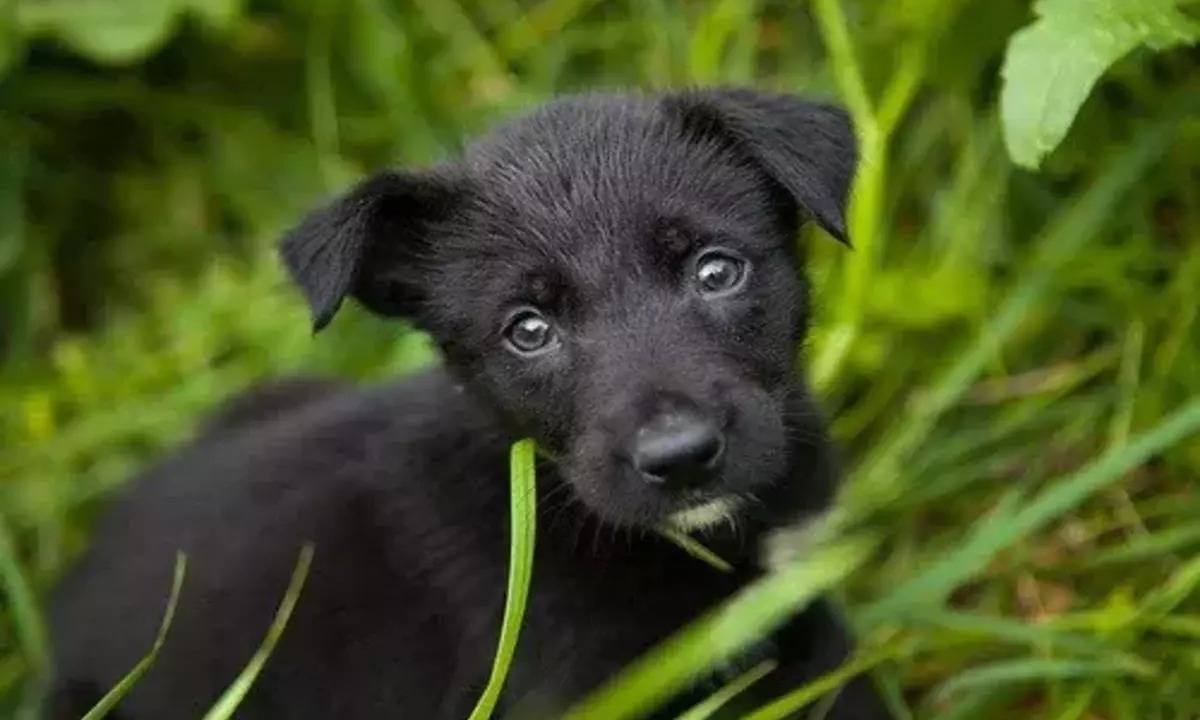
(995, 331)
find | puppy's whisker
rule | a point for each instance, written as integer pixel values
(596, 538)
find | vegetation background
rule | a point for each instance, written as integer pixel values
(1012, 352)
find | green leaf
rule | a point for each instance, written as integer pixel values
(113, 31)
(233, 696)
(110, 700)
(1052, 65)
(520, 571)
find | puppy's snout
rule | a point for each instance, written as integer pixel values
(679, 448)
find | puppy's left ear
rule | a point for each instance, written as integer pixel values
(808, 148)
(373, 243)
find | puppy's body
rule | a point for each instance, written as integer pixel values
(403, 491)
(555, 267)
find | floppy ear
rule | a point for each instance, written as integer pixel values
(808, 148)
(370, 243)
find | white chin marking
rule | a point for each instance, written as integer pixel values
(713, 512)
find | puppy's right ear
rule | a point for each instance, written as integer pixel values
(373, 243)
(808, 148)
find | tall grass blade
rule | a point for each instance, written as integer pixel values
(19, 597)
(696, 549)
(711, 704)
(1178, 589)
(236, 693)
(1010, 672)
(800, 698)
(110, 699)
(21, 601)
(520, 572)
(1015, 632)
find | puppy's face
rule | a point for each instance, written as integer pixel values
(617, 275)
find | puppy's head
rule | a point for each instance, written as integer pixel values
(617, 275)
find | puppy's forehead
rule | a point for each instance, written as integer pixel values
(605, 160)
(577, 196)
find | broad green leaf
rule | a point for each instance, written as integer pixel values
(114, 31)
(1052, 65)
(523, 521)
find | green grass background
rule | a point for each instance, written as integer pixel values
(1012, 355)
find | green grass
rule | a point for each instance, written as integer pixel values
(226, 706)
(523, 523)
(235, 694)
(1011, 357)
(110, 700)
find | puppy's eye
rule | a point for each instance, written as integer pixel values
(719, 273)
(528, 333)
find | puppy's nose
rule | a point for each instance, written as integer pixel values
(679, 449)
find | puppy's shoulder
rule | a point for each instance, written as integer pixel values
(309, 417)
(268, 401)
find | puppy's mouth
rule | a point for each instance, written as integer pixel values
(707, 514)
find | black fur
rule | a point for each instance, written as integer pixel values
(592, 209)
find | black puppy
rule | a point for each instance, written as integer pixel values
(613, 275)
